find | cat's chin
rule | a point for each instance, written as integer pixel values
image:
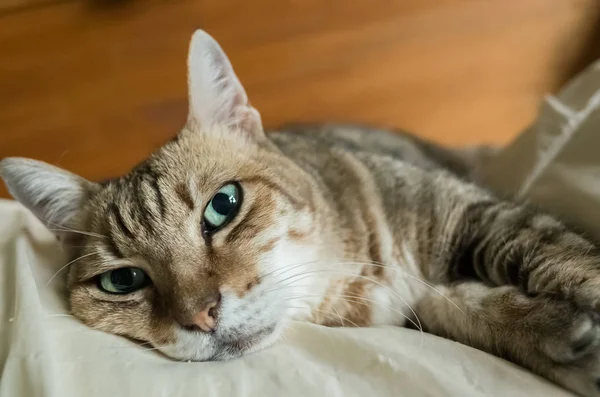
(235, 348)
(223, 348)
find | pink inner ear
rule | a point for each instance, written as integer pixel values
(248, 119)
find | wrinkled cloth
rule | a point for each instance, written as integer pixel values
(46, 352)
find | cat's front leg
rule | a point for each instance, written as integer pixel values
(538, 286)
(553, 338)
(503, 243)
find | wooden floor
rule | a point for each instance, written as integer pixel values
(94, 86)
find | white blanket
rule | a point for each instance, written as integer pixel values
(46, 352)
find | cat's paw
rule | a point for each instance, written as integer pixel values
(576, 358)
(561, 341)
(575, 339)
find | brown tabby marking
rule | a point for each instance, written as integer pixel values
(274, 186)
(296, 235)
(375, 271)
(252, 221)
(243, 280)
(268, 246)
(252, 283)
(183, 192)
(359, 311)
(345, 304)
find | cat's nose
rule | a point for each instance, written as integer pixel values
(205, 319)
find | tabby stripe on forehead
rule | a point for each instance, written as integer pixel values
(151, 208)
(119, 220)
(183, 192)
(140, 200)
(112, 246)
(160, 201)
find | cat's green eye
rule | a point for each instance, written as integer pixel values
(123, 281)
(223, 207)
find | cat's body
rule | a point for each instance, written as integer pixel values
(375, 185)
(208, 248)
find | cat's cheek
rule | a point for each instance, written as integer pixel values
(133, 319)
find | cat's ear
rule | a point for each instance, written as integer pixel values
(54, 195)
(216, 96)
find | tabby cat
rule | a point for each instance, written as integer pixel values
(212, 245)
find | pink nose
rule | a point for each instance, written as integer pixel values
(206, 318)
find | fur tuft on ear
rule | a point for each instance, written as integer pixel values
(216, 95)
(54, 195)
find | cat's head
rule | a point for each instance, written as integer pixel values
(195, 249)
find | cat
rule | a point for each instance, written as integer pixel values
(210, 247)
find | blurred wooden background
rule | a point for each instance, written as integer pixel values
(94, 86)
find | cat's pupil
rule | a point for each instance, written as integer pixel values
(223, 203)
(122, 278)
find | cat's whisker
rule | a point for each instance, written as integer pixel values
(376, 264)
(357, 299)
(342, 318)
(296, 265)
(326, 314)
(284, 287)
(63, 228)
(302, 276)
(419, 326)
(313, 270)
(436, 291)
(405, 274)
(373, 281)
(318, 328)
(288, 268)
(77, 232)
(360, 300)
(68, 264)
